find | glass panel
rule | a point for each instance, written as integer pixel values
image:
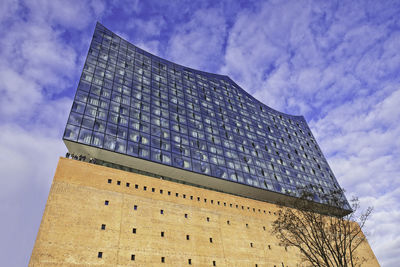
(97, 139)
(85, 136)
(71, 132)
(110, 142)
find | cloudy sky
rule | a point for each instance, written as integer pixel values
(335, 62)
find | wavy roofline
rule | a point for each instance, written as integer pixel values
(297, 117)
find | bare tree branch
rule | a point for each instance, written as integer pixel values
(327, 238)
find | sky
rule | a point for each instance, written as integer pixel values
(337, 63)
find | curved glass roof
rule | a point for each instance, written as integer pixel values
(134, 103)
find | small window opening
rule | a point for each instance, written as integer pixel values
(227, 222)
(109, 181)
(132, 257)
(161, 191)
(208, 219)
(187, 237)
(144, 188)
(211, 240)
(162, 259)
(169, 193)
(128, 184)
(214, 263)
(136, 186)
(100, 254)
(162, 234)
(135, 207)
(251, 244)
(176, 194)
(186, 215)
(118, 182)
(106, 202)
(161, 211)
(153, 189)
(190, 261)
(103, 227)
(133, 230)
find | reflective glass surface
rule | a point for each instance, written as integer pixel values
(132, 102)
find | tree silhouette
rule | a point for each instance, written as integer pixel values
(328, 237)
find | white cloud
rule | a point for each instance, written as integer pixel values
(198, 42)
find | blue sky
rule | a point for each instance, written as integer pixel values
(335, 62)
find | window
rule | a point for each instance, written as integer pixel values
(214, 263)
(211, 240)
(135, 207)
(162, 259)
(100, 254)
(208, 219)
(132, 257)
(153, 189)
(184, 196)
(133, 230)
(191, 197)
(227, 222)
(128, 184)
(176, 194)
(118, 182)
(161, 211)
(162, 234)
(269, 247)
(187, 237)
(251, 244)
(161, 191)
(136, 186)
(264, 228)
(190, 261)
(186, 215)
(169, 193)
(198, 198)
(106, 202)
(144, 188)
(103, 227)
(109, 181)
(247, 225)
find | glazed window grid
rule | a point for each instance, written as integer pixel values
(134, 103)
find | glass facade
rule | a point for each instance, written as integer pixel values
(131, 102)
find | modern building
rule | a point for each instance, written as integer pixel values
(173, 166)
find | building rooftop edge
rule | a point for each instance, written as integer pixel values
(209, 73)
